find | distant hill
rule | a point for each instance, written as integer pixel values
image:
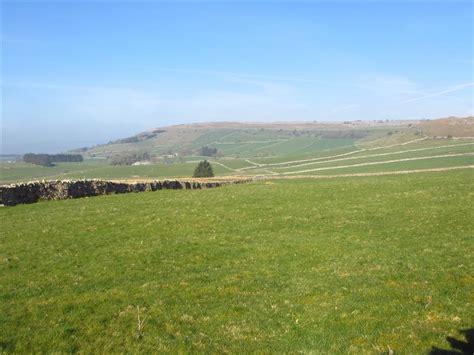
(261, 140)
(236, 139)
(274, 149)
(451, 126)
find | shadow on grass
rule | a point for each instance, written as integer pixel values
(459, 347)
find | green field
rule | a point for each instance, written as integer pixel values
(331, 158)
(360, 265)
(91, 169)
(267, 150)
(245, 140)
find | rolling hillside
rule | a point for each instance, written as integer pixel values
(451, 126)
(234, 139)
(273, 150)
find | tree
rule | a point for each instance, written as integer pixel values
(38, 159)
(48, 160)
(208, 151)
(203, 169)
(72, 158)
(128, 158)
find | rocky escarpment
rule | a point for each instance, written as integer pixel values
(32, 192)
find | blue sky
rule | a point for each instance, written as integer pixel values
(76, 74)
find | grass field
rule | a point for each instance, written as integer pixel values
(331, 159)
(90, 169)
(360, 265)
(271, 150)
(246, 140)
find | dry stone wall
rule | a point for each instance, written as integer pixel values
(11, 195)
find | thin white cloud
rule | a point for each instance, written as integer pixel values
(440, 93)
(243, 75)
(344, 108)
(253, 100)
(388, 85)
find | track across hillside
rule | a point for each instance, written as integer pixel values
(364, 158)
(397, 172)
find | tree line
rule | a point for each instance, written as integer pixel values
(129, 158)
(208, 151)
(49, 159)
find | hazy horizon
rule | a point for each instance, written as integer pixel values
(76, 75)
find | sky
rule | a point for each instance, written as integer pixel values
(83, 73)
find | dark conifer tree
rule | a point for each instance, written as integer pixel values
(203, 169)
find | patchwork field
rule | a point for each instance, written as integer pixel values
(252, 149)
(362, 265)
(100, 169)
(425, 153)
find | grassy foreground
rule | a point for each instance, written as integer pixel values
(358, 265)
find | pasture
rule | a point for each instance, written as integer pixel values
(360, 264)
(330, 159)
(100, 169)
